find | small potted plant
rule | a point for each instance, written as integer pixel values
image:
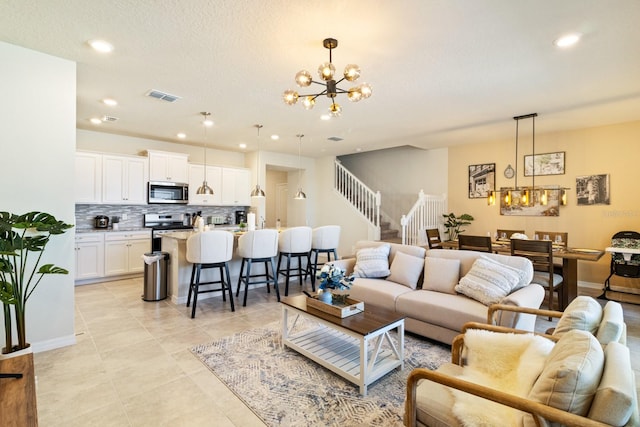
(20, 274)
(453, 224)
(242, 226)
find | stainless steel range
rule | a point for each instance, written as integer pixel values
(164, 223)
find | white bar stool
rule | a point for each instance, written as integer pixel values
(325, 239)
(211, 249)
(258, 246)
(294, 242)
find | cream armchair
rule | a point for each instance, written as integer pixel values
(572, 382)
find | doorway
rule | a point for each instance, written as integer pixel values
(282, 196)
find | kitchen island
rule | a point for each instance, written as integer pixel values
(179, 269)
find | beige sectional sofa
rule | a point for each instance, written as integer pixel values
(422, 285)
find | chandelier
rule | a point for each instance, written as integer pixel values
(528, 195)
(326, 71)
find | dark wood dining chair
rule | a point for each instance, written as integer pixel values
(507, 233)
(433, 238)
(540, 253)
(474, 243)
(560, 243)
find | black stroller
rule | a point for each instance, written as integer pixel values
(625, 262)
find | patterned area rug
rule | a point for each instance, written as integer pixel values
(284, 388)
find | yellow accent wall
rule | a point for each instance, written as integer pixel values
(613, 150)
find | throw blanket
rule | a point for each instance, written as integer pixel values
(506, 362)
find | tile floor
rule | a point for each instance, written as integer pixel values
(132, 366)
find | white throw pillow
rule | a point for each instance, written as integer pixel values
(406, 269)
(372, 262)
(488, 281)
(441, 275)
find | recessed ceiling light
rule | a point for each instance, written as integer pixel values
(101, 45)
(182, 135)
(358, 149)
(208, 123)
(567, 40)
(275, 137)
(110, 102)
(95, 120)
(243, 146)
(325, 117)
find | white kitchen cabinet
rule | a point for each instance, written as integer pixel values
(89, 255)
(166, 166)
(236, 186)
(88, 178)
(124, 179)
(124, 250)
(214, 179)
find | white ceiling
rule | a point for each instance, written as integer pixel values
(443, 72)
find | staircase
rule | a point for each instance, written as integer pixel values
(388, 234)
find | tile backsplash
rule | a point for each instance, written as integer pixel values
(85, 214)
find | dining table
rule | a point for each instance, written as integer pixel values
(568, 256)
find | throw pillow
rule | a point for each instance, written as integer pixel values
(441, 275)
(517, 271)
(584, 313)
(406, 269)
(612, 325)
(488, 281)
(614, 399)
(571, 373)
(372, 262)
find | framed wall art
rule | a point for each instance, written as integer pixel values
(593, 190)
(544, 164)
(482, 180)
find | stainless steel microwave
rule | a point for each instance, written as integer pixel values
(168, 192)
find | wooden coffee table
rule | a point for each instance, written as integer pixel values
(351, 346)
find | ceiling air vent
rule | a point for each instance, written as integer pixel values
(109, 119)
(162, 95)
(335, 139)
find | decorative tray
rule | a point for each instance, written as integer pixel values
(350, 308)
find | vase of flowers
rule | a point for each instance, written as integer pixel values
(334, 282)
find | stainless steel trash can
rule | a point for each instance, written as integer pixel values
(155, 277)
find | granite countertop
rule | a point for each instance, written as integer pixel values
(109, 230)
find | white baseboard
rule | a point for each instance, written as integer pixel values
(54, 343)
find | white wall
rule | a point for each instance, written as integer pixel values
(38, 145)
(111, 143)
(399, 174)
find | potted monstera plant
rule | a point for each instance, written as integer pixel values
(23, 239)
(454, 223)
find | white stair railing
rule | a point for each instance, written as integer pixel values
(426, 213)
(361, 197)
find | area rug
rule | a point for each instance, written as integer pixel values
(283, 388)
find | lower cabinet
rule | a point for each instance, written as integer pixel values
(89, 255)
(124, 251)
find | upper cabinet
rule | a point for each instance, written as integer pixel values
(124, 179)
(230, 186)
(236, 186)
(214, 179)
(88, 182)
(166, 166)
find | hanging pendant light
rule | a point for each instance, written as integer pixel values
(299, 194)
(257, 192)
(204, 188)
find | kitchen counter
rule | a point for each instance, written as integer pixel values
(109, 230)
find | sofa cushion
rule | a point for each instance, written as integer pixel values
(377, 292)
(571, 373)
(584, 313)
(612, 325)
(441, 274)
(394, 248)
(467, 258)
(406, 269)
(616, 393)
(441, 309)
(488, 281)
(372, 262)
